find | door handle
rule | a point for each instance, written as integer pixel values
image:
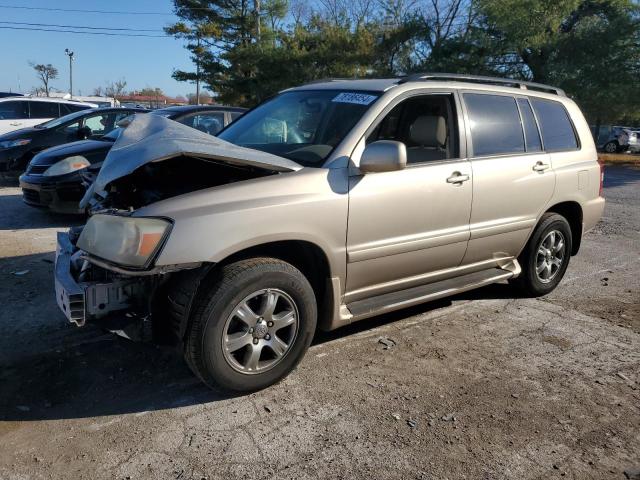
(541, 167)
(457, 178)
(15, 124)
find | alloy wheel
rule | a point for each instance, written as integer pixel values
(260, 331)
(550, 256)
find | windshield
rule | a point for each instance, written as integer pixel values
(60, 120)
(163, 112)
(304, 126)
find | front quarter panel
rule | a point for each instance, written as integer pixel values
(209, 225)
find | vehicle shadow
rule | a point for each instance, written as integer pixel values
(90, 373)
(50, 370)
(19, 216)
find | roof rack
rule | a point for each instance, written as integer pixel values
(507, 82)
(326, 80)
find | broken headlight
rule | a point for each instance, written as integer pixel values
(126, 241)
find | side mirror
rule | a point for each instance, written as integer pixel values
(84, 133)
(383, 156)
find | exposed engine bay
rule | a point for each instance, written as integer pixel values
(157, 181)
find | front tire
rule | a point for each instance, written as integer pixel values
(251, 325)
(545, 259)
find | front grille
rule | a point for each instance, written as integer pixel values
(31, 196)
(37, 169)
(71, 194)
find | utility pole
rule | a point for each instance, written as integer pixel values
(198, 72)
(69, 53)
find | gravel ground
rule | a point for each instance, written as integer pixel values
(485, 385)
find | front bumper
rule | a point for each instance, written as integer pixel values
(87, 293)
(59, 195)
(13, 160)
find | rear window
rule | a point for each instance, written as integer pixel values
(67, 108)
(557, 131)
(495, 124)
(43, 110)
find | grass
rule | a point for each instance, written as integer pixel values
(619, 158)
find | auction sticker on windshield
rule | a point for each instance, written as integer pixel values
(358, 98)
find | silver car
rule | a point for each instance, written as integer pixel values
(330, 203)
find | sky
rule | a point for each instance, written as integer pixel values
(99, 59)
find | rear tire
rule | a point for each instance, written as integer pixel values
(251, 325)
(611, 147)
(545, 259)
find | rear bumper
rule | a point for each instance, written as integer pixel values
(591, 213)
(61, 196)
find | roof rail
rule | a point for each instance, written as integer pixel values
(508, 82)
(326, 80)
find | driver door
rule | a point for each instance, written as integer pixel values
(405, 225)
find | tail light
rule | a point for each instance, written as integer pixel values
(601, 163)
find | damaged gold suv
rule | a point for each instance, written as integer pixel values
(329, 203)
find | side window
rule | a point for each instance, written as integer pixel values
(70, 129)
(207, 122)
(100, 124)
(557, 131)
(531, 133)
(67, 108)
(425, 124)
(495, 124)
(14, 110)
(235, 115)
(44, 110)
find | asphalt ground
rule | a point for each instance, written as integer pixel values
(485, 385)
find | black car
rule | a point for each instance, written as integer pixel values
(10, 94)
(20, 146)
(55, 178)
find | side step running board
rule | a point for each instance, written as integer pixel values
(388, 302)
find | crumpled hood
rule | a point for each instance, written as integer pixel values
(152, 138)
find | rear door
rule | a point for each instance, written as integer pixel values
(13, 115)
(513, 178)
(40, 112)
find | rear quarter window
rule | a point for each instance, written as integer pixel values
(495, 124)
(557, 131)
(67, 108)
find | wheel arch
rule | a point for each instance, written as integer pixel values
(306, 256)
(572, 212)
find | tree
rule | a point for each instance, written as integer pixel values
(115, 89)
(205, 98)
(247, 50)
(45, 73)
(574, 44)
(97, 91)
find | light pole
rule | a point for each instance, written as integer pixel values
(70, 55)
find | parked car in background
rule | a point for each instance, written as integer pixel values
(10, 94)
(328, 204)
(56, 177)
(209, 119)
(616, 139)
(634, 141)
(22, 112)
(17, 148)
